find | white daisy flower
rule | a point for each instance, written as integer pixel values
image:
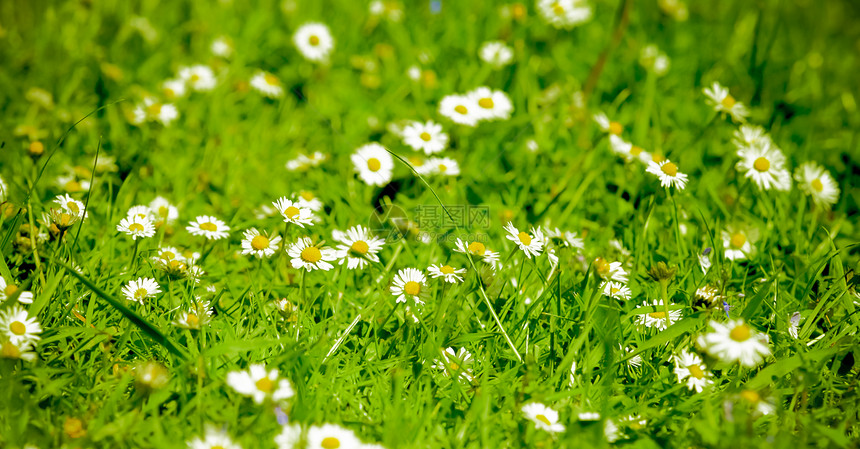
(531, 244)
(267, 84)
(564, 13)
(137, 226)
(70, 212)
(588, 416)
(138, 211)
(22, 350)
(610, 271)
(651, 58)
(410, 284)
(3, 190)
(815, 181)
(627, 150)
(293, 212)
(738, 242)
(414, 72)
(448, 273)
(141, 289)
(209, 227)
(162, 211)
(616, 290)
(314, 41)
(607, 125)
(7, 290)
(689, 367)
(195, 316)
(427, 137)
(460, 109)
(735, 341)
(478, 249)
(566, 238)
(720, 99)
(444, 166)
(373, 163)
(761, 405)
(705, 260)
(496, 53)
(765, 165)
(308, 200)
(751, 136)
(17, 327)
(213, 439)
(458, 363)
(153, 110)
(492, 104)
(709, 294)
(260, 384)
(221, 47)
(199, 77)
(358, 246)
(259, 245)
(329, 436)
(305, 255)
(303, 162)
(173, 88)
(543, 417)
(668, 173)
(657, 318)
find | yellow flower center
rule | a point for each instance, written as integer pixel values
(558, 10)
(73, 207)
(412, 288)
(447, 269)
(657, 157)
(271, 80)
(265, 385)
(330, 443)
(657, 315)
(486, 103)
(425, 136)
(10, 351)
(194, 78)
(416, 161)
(460, 109)
(669, 169)
(135, 227)
(163, 211)
(738, 240)
(817, 185)
(314, 40)
(360, 247)
(696, 371)
(167, 255)
(65, 219)
(636, 151)
(192, 320)
(614, 290)
(311, 254)
(543, 419)
(740, 333)
(373, 164)
(209, 226)
(750, 396)
(154, 109)
(615, 128)
(761, 164)
(477, 248)
(10, 290)
(602, 266)
(518, 11)
(306, 195)
(525, 238)
(728, 102)
(141, 293)
(291, 212)
(454, 366)
(443, 168)
(18, 328)
(259, 242)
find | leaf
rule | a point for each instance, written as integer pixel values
(755, 302)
